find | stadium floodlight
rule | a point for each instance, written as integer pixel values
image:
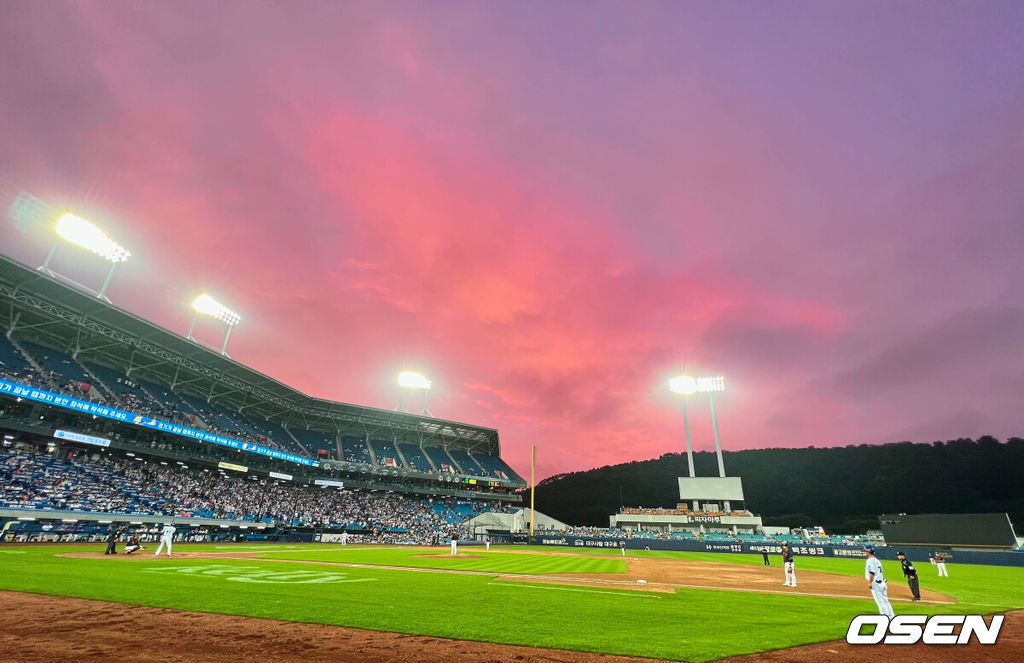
(206, 305)
(687, 386)
(209, 306)
(79, 231)
(84, 234)
(683, 384)
(414, 380)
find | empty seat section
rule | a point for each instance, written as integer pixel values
(468, 465)
(440, 458)
(116, 381)
(172, 400)
(10, 359)
(211, 414)
(315, 440)
(385, 453)
(279, 435)
(59, 362)
(415, 457)
(492, 466)
(355, 449)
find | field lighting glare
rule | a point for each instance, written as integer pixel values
(84, 234)
(683, 384)
(81, 233)
(686, 385)
(207, 305)
(413, 380)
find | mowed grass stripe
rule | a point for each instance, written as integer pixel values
(491, 562)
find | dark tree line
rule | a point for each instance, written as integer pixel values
(843, 489)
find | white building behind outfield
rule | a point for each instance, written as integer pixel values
(519, 521)
(666, 521)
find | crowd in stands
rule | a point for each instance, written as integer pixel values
(108, 387)
(707, 536)
(103, 484)
(680, 510)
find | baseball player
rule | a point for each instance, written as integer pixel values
(344, 538)
(910, 573)
(623, 546)
(940, 564)
(487, 543)
(455, 543)
(787, 565)
(133, 545)
(166, 538)
(876, 582)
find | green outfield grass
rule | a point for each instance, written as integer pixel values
(690, 625)
(468, 559)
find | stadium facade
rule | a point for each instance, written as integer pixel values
(107, 381)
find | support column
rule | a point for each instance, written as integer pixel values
(718, 442)
(689, 446)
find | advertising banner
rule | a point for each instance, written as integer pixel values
(78, 437)
(42, 396)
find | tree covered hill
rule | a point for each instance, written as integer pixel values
(843, 489)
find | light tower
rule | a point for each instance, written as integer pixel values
(207, 305)
(687, 386)
(722, 488)
(413, 380)
(81, 233)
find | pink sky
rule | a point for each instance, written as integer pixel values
(552, 208)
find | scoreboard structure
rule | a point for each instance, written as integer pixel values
(968, 530)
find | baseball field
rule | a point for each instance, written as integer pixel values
(478, 606)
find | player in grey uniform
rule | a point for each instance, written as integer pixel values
(876, 582)
(166, 538)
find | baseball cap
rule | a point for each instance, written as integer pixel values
(899, 554)
(870, 549)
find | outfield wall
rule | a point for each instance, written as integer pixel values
(957, 555)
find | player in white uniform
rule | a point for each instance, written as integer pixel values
(876, 582)
(166, 538)
(487, 542)
(455, 543)
(787, 566)
(344, 538)
(940, 565)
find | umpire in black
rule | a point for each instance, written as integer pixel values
(910, 573)
(112, 533)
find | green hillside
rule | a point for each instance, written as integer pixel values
(841, 488)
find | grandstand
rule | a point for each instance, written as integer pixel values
(77, 373)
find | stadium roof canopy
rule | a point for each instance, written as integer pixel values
(40, 308)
